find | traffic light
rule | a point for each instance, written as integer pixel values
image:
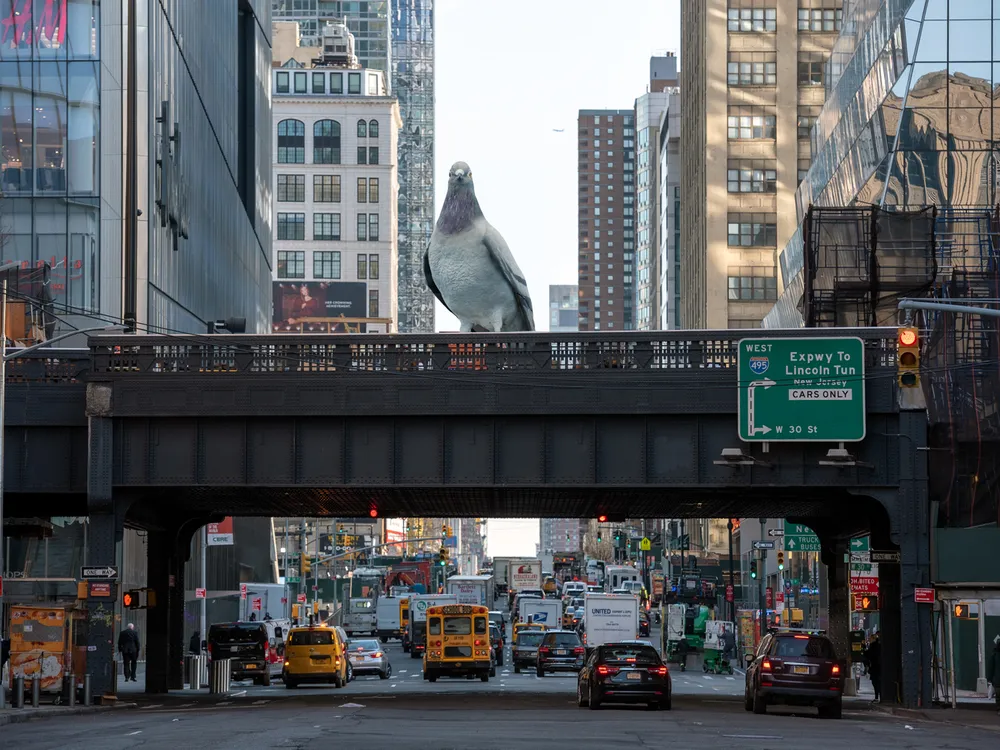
(600, 536)
(373, 513)
(781, 560)
(602, 519)
(908, 358)
(304, 564)
(753, 569)
(132, 599)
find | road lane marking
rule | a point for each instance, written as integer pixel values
(730, 678)
(754, 736)
(133, 734)
(155, 705)
(706, 677)
(401, 671)
(261, 702)
(238, 694)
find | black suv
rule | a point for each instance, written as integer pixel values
(256, 650)
(560, 651)
(795, 669)
(626, 672)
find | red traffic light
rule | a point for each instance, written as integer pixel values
(373, 513)
(907, 336)
(602, 519)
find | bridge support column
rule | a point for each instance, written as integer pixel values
(175, 599)
(158, 571)
(839, 596)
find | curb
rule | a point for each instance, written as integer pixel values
(942, 716)
(22, 715)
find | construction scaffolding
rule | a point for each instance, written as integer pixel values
(860, 261)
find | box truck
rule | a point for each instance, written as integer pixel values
(387, 618)
(525, 573)
(609, 618)
(476, 590)
(417, 633)
(547, 612)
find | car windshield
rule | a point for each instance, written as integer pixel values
(803, 645)
(363, 646)
(529, 639)
(562, 639)
(310, 638)
(627, 653)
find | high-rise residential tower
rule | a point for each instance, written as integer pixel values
(753, 84)
(606, 220)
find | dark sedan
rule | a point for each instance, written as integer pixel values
(795, 669)
(524, 652)
(560, 651)
(628, 672)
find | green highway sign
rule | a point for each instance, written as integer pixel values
(802, 389)
(292, 579)
(799, 538)
(860, 544)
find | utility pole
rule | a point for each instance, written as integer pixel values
(732, 577)
(763, 580)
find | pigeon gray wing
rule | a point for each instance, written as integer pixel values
(505, 263)
(430, 278)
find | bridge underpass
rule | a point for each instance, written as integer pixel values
(184, 430)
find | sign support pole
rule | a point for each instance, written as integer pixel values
(204, 585)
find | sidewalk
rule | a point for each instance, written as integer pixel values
(20, 715)
(972, 710)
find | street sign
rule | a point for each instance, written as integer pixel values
(99, 588)
(864, 569)
(301, 598)
(781, 597)
(766, 544)
(800, 538)
(861, 558)
(884, 557)
(775, 532)
(860, 544)
(243, 591)
(729, 592)
(292, 579)
(769, 597)
(255, 604)
(865, 603)
(802, 389)
(99, 573)
(923, 596)
(864, 585)
(645, 545)
(200, 594)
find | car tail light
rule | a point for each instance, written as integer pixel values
(579, 650)
(605, 670)
(437, 643)
(658, 670)
(336, 662)
(377, 654)
(478, 642)
(766, 666)
(543, 649)
(835, 669)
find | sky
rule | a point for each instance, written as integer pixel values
(508, 76)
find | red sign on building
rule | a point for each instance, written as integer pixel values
(200, 593)
(301, 598)
(255, 604)
(923, 596)
(243, 591)
(781, 597)
(864, 584)
(98, 588)
(729, 592)
(769, 597)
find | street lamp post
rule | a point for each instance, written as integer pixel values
(732, 576)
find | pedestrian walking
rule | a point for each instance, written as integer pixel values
(128, 646)
(682, 653)
(194, 646)
(873, 661)
(993, 671)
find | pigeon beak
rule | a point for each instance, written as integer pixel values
(459, 174)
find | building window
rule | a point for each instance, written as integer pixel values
(373, 189)
(362, 155)
(753, 230)
(373, 154)
(807, 118)
(300, 83)
(291, 142)
(291, 226)
(291, 188)
(362, 128)
(291, 264)
(752, 284)
(373, 128)
(281, 83)
(821, 19)
(752, 69)
(373, 227)
(353, 83)
(752, 176)
(362, 190)
(803, 168)
(753, 19)
(326, 264)
(743, 125)
(373, 303)
(336, 83)
(319, 83)
(326, 188)
(326, 226)
(812, 70)
(362, 266)
(326, 142)
(362, 227)
(373, 84)
(373, 266)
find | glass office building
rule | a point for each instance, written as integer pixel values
(910, 120)
(201, 159)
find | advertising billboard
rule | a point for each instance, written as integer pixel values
(319, 306)
(221, 533)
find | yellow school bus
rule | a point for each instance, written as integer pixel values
(458, 642)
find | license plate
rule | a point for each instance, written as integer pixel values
(800, 670)
(634, 676)
(251, 666)
(560, 652)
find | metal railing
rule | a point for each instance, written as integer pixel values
(57, 366)
(123, 355)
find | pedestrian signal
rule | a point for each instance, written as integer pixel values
(962, 611)
(131, 599)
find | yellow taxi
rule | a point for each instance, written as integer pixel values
(519, 626)
(314, 654)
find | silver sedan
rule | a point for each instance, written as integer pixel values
(367, 657)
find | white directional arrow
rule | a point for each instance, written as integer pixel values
(751, 427)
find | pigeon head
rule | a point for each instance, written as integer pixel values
(460, 207)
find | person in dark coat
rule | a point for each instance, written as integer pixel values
(682, 653)
(993, 671)
(195, 644)
(128, 646)
(873, 660)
